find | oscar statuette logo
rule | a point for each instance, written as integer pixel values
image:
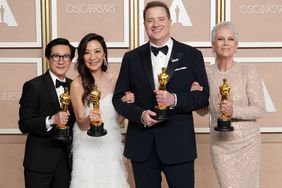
(224, 120)
(96, 126)
(161, 109)
(62, 130)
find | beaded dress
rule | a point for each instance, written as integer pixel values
(236, 155)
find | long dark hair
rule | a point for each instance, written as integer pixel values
(87, 79)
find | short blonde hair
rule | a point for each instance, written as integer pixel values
(229, 25)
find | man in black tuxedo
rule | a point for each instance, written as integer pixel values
(154, 146)
(46, 160)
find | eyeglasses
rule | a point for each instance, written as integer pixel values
(57, 57)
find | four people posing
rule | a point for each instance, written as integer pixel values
(153, 146)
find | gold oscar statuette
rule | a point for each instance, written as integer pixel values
(62, 130)
(161, 109)
(96, 126)
(224, 120)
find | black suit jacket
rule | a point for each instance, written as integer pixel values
(39, 100)
(174, 138)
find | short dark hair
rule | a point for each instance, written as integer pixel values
(58, 41)
(153, 4)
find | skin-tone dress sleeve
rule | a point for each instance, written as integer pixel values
(256, 104)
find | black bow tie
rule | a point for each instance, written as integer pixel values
(59, 83)
(156, 50)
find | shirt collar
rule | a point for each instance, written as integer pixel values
(54, 77)
(169, 43)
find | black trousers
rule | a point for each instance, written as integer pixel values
(148, 174)
(59, 178)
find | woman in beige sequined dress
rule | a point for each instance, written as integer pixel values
(235, 155)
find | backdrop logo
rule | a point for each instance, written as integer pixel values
(91, 8)
(179, 13)
(9, 96)
(6, 15)
(261, 9)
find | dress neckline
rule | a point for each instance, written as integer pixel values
(106, 96)
(223, 72)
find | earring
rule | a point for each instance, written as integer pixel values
(105, 62)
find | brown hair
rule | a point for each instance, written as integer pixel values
(153, 4)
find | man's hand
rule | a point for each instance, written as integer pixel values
(147, 118)
(164, 98)
(61, 118)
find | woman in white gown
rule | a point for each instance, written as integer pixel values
(97, 161)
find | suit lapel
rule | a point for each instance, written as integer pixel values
(146, 62)
(175, 58)
(174, 61)
(50, 85)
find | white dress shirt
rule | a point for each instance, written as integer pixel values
(160, 60)
(59, 91)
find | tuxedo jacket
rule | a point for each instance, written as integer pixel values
(39, 100)
(174, 138)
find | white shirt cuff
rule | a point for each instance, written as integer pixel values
(175, 101)
(142, 120)
(49, 122)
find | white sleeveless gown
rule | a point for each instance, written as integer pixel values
(98, 161)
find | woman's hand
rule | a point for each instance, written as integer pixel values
(128, 97)
(121, 120)
(94, 116)
(226, 108)
(196, 87)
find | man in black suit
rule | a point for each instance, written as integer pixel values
(154, 146)
(46, 160)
